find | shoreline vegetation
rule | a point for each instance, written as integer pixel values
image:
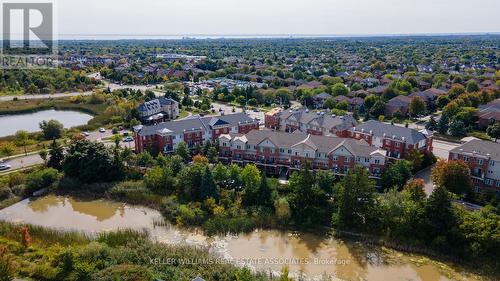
(39, 253)
(200, 192)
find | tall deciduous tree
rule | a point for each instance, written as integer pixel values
(51, 129)
(90, 162)
(22, 138)
(397, 174)
(455, 176)
(417, 106)
(494, 131)
(183, 151)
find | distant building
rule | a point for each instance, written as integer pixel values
(279, 153)
(400, 103)
(483, 159)
(488, 114)
(165, 137)
(319, 99)
(158, 110)
(309, 122)
(429, 96)
(397, 141)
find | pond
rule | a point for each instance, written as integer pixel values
(10, 124)
(262, 250)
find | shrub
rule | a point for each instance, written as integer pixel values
(190, 214)
(124, 272)
(121, 237)
(41, 179)
(170, 208)
(6, 265)
(220, 224)
(5, 192)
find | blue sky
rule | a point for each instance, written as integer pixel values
(224, 17)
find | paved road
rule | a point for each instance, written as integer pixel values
(35, 159)
(23, 162)
(426, 176)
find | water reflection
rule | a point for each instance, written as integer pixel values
(342, 259)
(99, 209)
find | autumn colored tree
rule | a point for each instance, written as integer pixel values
(415, 189)
(200, 159)
(455, 176)
(417, 106)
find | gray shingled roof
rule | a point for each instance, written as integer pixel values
(485, 148)
(380, 129)
(196, 122)
(322, 144)
(324, 120)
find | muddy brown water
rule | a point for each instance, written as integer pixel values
(308, 254)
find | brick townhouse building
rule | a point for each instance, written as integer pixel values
(279, 153)
(165, 137)
(483, 159)
(309, 122)
(397, 141)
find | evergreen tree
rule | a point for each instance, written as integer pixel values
(439, 218)
(265, 193)
(307, 200)
(56, 156)
(431, 124)
(354, 199)
(208, 186)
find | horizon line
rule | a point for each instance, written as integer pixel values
(124, 36)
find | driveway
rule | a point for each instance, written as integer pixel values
(425, 175)
(442, 148)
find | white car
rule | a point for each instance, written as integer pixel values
(102, 130)
(4, 167)
(85, 134)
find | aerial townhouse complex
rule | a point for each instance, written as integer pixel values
(165, 137)
(397, 141)
(308, 122)
(483, 159)
(292, 137)
(279, 153)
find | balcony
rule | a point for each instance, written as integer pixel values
(477, 175)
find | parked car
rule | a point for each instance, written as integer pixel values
(85, 134)
(128, 139)
(102, 130)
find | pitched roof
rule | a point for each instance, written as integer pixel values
(479, 147)
(380, 129)
(324, 120)
(321, 144)
(399, 101)
(196, 123)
